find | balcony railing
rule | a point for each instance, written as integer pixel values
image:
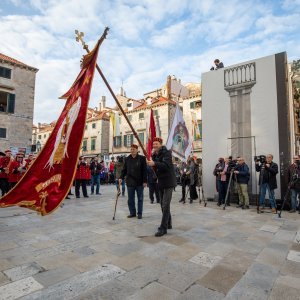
(240, 75)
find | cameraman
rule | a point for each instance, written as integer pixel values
(242, 176)
(293, 178)
(267, 180)
(225, 174)
(217, 172)
(185, 179)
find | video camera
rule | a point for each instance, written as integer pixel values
(260, 158)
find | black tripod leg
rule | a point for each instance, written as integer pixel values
(284, 201)
(227, 192)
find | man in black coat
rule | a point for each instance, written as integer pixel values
(267, 180)
(135, 170)
(162, 163)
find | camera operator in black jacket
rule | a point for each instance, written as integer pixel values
(267, 179)
(293, 179)
(162, 163)
(217, 172)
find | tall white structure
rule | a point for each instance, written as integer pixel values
(245, 113)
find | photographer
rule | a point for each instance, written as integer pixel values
(217, 172)
(184, 179)
(96, 169)
(267, 179)
(242, 176)
(193, 178)
(293, 179)
(225, 174)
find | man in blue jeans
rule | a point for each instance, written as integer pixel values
(135, 171)
(293, 179)
(96, 169)
(267, 180)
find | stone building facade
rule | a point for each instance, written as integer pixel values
(17, 88)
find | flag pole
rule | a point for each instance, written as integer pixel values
(79, 36)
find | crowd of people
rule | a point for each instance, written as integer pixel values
(233, 176)
(161, 174)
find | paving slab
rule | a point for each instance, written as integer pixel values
(197, 292)
(78, 284)
(154, 291)
(23, 271)
(270, 228)
(19, 288)
(205, 259)
(294, 256)
(53, 276)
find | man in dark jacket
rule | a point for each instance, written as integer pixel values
(162, 162)
(135, 170)
(96, 169)
(242, 177)
(267, 180)
(293, 179)
(217, 172)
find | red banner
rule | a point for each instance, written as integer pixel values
(47, 182)
(151, 135)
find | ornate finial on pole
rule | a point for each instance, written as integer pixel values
(79, 38)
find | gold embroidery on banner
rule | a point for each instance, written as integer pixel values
(87, 79)
(43, 197)
(56, 178)
(59, 153)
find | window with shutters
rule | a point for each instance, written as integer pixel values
(117, 141)
(93, 125)
(7, 102)
(141, 137)
(128, 140)
(84, 145)
(93, 144)
(192, 105)
(129, 117)
(3, 133)
(141, 116)
(5, 72)
(155, 112)
(39, 136)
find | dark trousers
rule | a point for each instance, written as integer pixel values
(223, 186)
(131, 199)
(153, 189)
(184, 184)
(95, 180)
(78, 183)
(4, 186)
(165, 200)
(193, 192)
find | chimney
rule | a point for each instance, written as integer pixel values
(102, 103)
(169, 87)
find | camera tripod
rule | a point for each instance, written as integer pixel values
(229, 186)
(200, 187)
(284, 199)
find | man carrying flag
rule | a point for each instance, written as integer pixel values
(162, 163)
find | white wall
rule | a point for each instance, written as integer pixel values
(216, 119)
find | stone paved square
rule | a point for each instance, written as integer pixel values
(79, 252)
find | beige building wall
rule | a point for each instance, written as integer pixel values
(17, 124)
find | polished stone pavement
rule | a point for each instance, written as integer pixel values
(79, 252)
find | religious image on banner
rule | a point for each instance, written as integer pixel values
(179, 139)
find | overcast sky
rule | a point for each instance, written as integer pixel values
(148, 40)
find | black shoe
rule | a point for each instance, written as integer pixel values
(160, 232)
(86, 196)
(140, 217)
(77, 196)
(152, 202)
(98, 193)
(191, 201)
(228, 204)
(131, 216)
(239, 206)
(157, 201)
(219, 204)
(170, 227)
(246, 207)
(243, 207)
(181, 200)
(92, 193)
(68, 197)
(292, 211)
(70, 194)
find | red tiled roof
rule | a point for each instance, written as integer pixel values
(14, 61)
(160, 100)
